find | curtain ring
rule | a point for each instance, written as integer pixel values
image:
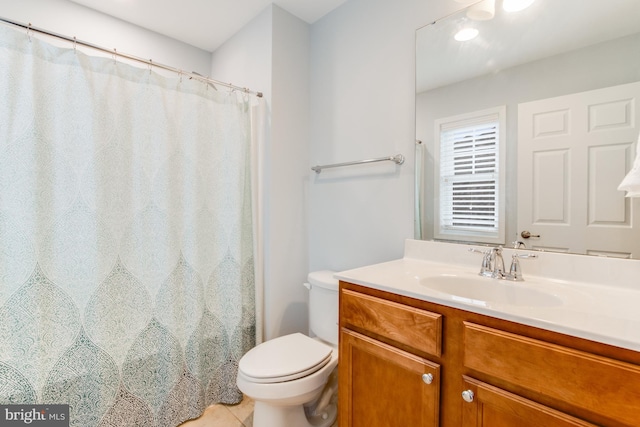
(29, 31)
(75, 44)
(150, 65)
(115, 56)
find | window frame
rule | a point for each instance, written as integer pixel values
(443, 231)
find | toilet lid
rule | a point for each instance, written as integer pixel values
(284, 359)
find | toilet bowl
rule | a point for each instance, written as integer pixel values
(288, 377)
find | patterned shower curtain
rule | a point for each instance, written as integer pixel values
(126, 237)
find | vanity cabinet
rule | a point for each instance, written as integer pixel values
(408, 362)
(489, 406)
(379, 379)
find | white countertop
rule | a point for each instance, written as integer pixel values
(602, 312)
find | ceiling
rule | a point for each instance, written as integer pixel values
(549, 27)
(203, 23)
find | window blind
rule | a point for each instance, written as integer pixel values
(469, 177)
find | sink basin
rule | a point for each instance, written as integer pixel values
(485, 291)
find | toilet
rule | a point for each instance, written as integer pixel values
(291, 379)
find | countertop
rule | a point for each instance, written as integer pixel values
(601, 312)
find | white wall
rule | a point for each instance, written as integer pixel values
(362, 106)
(287, 238)
(70, 19)
(359, 90)
(271, 54)
(246, 58)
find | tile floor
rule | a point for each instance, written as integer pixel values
(240, 415)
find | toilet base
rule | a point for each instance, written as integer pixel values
(265, 415)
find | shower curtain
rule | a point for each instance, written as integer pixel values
(127, 285)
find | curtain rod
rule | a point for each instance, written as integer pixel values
(149, 62)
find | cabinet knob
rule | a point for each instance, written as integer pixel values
(467, 396)
(427, 378)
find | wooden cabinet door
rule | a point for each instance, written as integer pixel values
(382, 386)
(599, 388)
(494, 407)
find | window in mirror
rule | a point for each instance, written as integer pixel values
(470, 160)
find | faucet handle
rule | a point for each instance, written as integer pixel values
(515, 272)
(485, 268)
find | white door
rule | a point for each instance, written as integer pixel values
(573, 152)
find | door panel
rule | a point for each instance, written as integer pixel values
(493, 407)
(375, 377)
(573, 152)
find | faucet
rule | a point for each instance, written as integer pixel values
(493, 264)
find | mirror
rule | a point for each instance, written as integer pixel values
(559, 73)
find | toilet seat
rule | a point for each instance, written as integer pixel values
(286, 358)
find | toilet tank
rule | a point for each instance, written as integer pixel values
(323, 305)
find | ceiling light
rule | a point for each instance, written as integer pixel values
(516, 5)
(482, 11)
(466, 34)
